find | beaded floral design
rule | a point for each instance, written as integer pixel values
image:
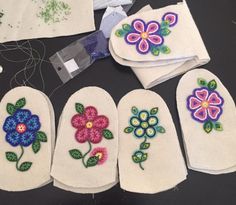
(148, 37)
(22, 129)
(205, 105)
(91, 129)
(143, 124)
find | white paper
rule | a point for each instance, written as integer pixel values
(71, 66)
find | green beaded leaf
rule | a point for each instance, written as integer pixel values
(165, 49)
(165, 24)
(11, 156)
(136, 159)
(154, 111)
(107, 134)
(160, 129)
(76, 154)
(202, 82)
(127, 27)
(144, 157)
(218, 126)
(212, 85)
(11, 108)
(25, 166)
(155, 50)
(41, 136)
(134, 110)
(128, 129)
(165, 32)
(79, 108)
(120, 33)
(137, 156)
(92, 161)
(20, 103)
(144, 146)
(36, 146)
(208, 126)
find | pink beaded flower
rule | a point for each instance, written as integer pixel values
(91, 128)
(101, 153)
(144, 35)
(206, 105)
(89, 125)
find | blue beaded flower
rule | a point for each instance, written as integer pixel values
(21, 128)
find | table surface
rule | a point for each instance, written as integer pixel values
(216, 21)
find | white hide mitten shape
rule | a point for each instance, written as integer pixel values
(150, 159)
(208, 119)
(27, 142)
(85, 159)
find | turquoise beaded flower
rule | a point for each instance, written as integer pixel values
(143, 124)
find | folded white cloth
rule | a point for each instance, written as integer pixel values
(208, 119)
(27, 142)
(150, 159)
(85, 159)
(156, 44)
(50, 18)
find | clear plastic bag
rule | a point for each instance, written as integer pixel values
(79, 55)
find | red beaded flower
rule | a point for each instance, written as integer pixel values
(91, 128)
(89, 125)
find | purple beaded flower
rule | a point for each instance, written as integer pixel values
(148, 37)
(144, 35)
(206, 105)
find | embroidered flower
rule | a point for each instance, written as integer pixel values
(101, 153)
(205, 105)
(143, 124)
(91, 128)
(89, 125)
(148, 36)
(144, 35)
(22, 129)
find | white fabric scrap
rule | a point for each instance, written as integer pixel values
(111, 17)
(101, 4)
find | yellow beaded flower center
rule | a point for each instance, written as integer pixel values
(144, 35)
(205, 104)
(89, 125)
